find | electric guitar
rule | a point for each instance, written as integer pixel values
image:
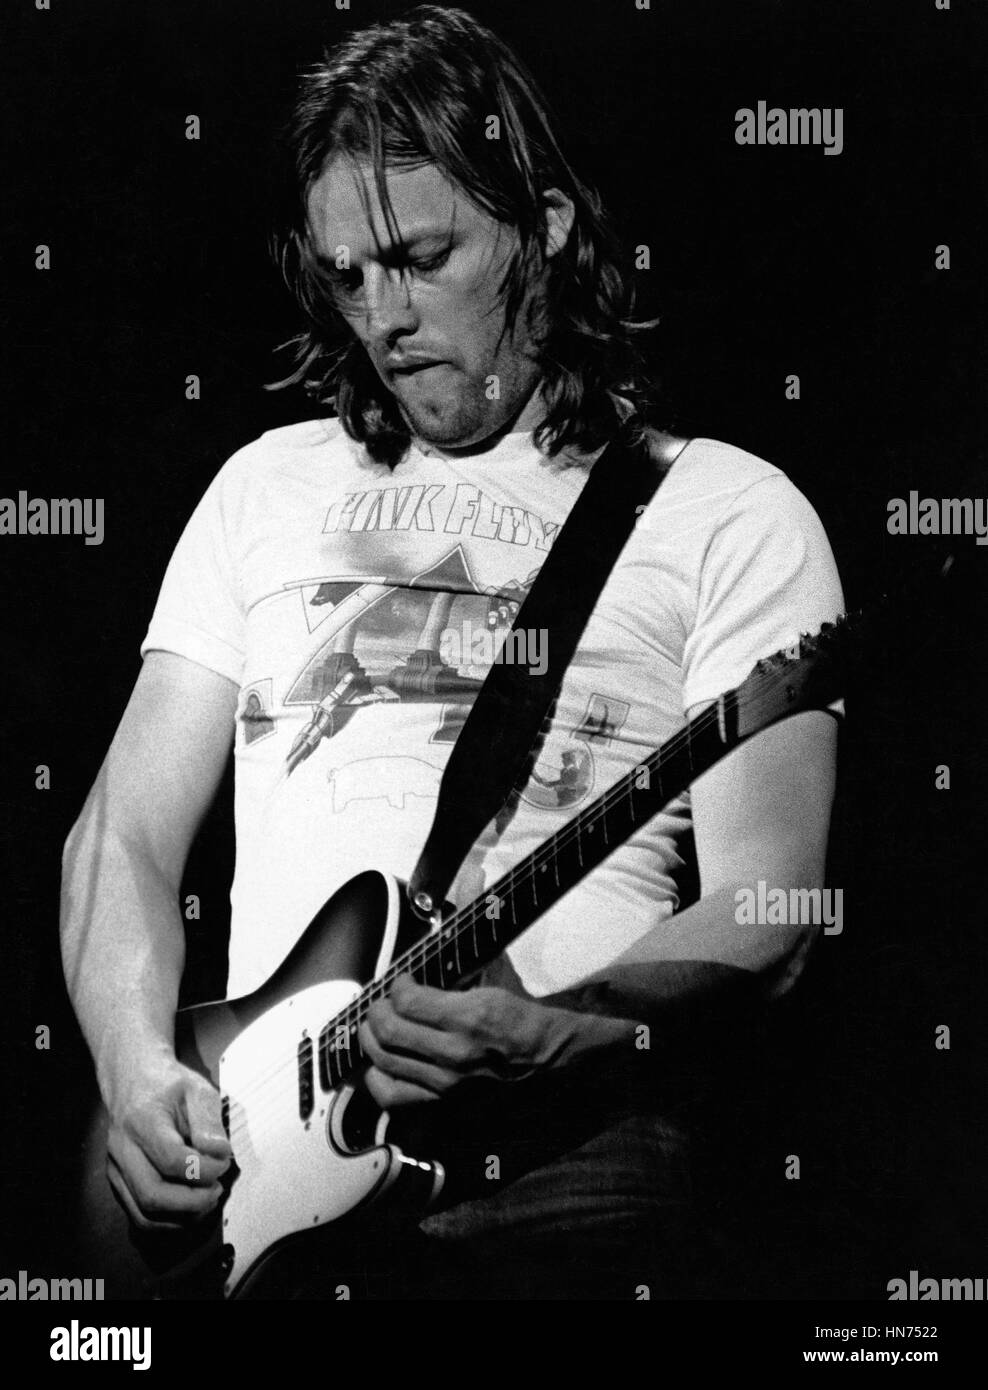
(309, 1145)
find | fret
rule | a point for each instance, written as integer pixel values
(448, 964)
(567, 858)
(326, 1078)
(679, 770)
(639, 792)
(470, 948)
(430, 969)
(621, 812)
(341, 1038)
(693, 756)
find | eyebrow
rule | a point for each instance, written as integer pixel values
(417, 235)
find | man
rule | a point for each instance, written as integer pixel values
(486, 362)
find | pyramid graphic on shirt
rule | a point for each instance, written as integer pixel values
(386, 634)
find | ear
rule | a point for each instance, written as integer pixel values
(559, 214)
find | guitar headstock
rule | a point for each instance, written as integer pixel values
(807, 674)
(813, 672)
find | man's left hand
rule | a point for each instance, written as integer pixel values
(421, 1042)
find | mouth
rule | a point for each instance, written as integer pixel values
(415, 369)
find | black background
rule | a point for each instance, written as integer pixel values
(764, 262)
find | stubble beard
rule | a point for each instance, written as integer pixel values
(444, 421)
(464, 417)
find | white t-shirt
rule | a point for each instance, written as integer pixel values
(305, 559)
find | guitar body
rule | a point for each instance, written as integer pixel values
(305, 1154)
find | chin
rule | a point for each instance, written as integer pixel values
(450, 429)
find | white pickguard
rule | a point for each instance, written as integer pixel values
(292, 1177)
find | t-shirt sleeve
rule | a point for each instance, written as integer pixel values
(767, 575)
(199, 613)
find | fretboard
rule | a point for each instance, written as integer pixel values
(473, 936)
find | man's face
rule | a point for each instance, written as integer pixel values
(428, 316)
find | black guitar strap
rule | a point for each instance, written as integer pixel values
(498, 744)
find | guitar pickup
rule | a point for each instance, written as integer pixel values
(306, 1078)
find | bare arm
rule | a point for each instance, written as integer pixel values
(761, 813)
(123, 944)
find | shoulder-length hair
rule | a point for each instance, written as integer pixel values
(422, 90)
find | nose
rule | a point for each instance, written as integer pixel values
(388, 309)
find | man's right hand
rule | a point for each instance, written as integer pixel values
(166, 1150)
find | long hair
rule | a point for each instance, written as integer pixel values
(422, 90)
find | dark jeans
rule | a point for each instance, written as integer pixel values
(608, 1219)
(572, 1186)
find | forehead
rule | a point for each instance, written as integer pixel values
(344, 207)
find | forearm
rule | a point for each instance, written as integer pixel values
(698, 965)
(123, 950)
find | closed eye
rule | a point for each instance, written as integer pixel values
(428, 264)
(344, 284)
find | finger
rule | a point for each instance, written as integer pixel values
(159, 1132)
(390, 1093)
(159, 1197)
(155, 1130)
(438, 1008)
(156, 1199)
(202, 1170)
(396, 1033)
(416, 1070)
(123, 1195)
(204, 1125)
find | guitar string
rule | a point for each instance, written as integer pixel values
(467, 918)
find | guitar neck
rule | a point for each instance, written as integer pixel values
(475, 935)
